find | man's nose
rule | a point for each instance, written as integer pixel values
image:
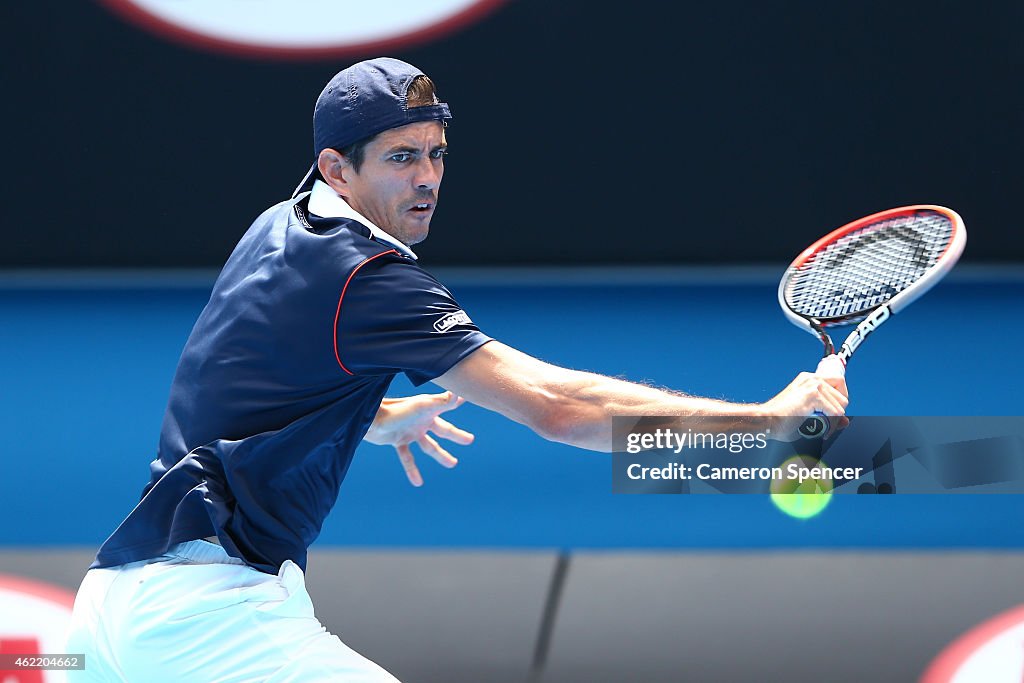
(428, 175)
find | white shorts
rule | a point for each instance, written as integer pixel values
(196, 614)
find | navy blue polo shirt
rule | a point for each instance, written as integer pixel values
(308, 323)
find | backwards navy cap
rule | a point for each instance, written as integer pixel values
(365, 99)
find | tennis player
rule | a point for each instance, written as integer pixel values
(317, 309)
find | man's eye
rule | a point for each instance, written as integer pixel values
(439, 154)
(401, 157)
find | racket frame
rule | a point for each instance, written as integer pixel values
(869, 320)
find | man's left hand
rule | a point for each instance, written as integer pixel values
(403, 421)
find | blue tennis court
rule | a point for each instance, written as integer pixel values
(86, 368)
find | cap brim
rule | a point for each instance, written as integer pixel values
(307, 183)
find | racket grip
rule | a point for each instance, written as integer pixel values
(818, 424)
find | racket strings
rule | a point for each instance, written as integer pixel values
(869, 266)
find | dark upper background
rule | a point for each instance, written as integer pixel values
(585, 132)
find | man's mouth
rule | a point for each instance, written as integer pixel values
(422, 207)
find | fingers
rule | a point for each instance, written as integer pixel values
(830, 400)
(831, 395)
(446, 430)
(446, 401)
(832, 370)
(434, 450)
(431, 448)
(409, 465)
(839, 383)
(809, 393)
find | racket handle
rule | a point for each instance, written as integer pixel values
(818, 424)
(814, 426)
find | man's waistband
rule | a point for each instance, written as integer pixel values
(202, 552)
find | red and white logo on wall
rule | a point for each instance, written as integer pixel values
(992, 652)
(297, 29)
(34, 620)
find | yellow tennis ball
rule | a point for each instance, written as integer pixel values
(801, 499)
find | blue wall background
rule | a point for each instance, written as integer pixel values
(85, 373)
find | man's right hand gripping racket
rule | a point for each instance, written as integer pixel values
(865, 272)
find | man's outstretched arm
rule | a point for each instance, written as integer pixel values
(576, 407)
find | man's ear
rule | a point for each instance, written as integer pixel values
(335, 169)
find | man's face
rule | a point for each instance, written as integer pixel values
(396, 186)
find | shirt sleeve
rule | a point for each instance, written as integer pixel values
(395, 317)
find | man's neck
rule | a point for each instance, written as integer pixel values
(326, 203)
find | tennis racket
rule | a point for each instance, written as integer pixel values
(865, 272)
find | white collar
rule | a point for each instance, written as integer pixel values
(326, 203)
